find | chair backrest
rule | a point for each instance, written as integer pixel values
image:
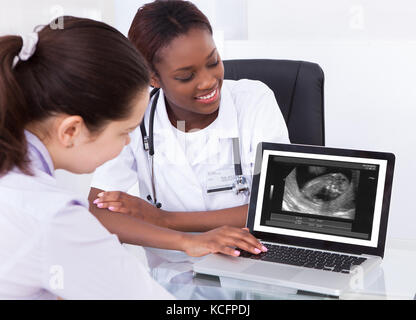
(299, 90)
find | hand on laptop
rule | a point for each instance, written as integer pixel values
(222, 240)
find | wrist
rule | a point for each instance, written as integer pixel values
(151, 214)
(138, 208)
(161, 218)
(186, 240)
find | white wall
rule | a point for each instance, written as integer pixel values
(20, 16)
(366, 48)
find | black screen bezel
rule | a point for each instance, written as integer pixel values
(323, 244)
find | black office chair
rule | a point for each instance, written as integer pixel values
(299, 90)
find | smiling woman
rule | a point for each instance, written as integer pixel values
(176, 39)
(201, 125)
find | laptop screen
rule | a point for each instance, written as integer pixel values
(322, 197)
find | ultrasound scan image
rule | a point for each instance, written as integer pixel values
(321, 191)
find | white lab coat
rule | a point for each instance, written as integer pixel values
(248, 110)
(51, 245)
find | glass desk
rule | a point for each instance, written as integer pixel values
(395, 279)
(205, 287)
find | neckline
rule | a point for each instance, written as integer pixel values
(193, 132)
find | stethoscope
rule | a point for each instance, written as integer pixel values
(239, 186)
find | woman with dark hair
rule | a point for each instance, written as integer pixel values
(68, 100)
(196, 127)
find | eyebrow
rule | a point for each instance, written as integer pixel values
(190, 67)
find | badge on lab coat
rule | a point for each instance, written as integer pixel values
(221, 179)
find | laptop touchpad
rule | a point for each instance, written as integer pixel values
(272, 271)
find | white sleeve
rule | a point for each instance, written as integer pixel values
(118, 174)
(82, 260)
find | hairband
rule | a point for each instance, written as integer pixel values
(28, 48)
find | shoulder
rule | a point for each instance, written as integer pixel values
(250, 97)
(259, 115)
(38, 196)
(246, 87)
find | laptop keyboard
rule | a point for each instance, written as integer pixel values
(306, 258)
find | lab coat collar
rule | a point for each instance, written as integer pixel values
(227, 121)
(226, 124)
(39, 155)
(164, 135)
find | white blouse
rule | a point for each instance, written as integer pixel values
(51, 245)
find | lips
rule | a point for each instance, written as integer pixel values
(210, 97)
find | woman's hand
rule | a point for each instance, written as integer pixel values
(121, 202)
(222, 240)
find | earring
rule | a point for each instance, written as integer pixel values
(70, 145)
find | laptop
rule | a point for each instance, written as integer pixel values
(321, 212)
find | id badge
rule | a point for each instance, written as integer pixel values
(220, 180)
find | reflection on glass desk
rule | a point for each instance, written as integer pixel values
(204, 287)
(186, 285)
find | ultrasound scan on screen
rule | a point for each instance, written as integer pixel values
(320, 190)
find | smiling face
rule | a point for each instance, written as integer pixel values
(191, 73)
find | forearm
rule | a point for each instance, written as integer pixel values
(136, 231)
(201, 221)
(197, 221)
